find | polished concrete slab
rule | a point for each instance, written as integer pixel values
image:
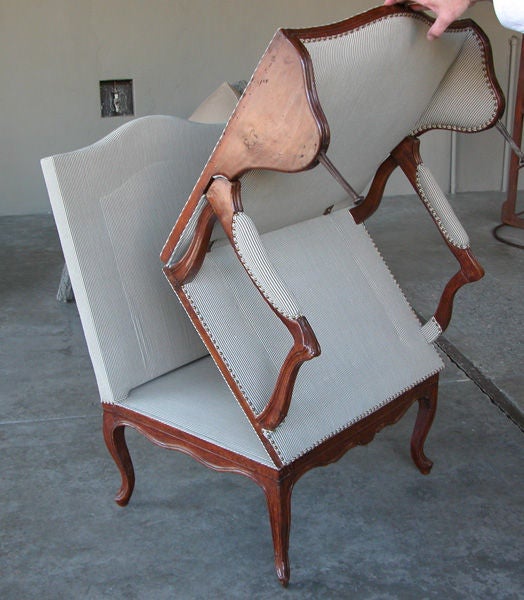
(368, 527)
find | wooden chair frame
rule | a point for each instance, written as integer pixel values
(277, 484)
(241, 148)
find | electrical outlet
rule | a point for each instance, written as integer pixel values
(116, 98)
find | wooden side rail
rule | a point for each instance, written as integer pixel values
(407, 156)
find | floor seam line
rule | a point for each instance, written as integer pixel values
(46, 420)
(486, 385)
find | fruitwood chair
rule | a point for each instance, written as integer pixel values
(310, 347)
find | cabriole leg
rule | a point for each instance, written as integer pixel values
(278, 496)
(426, 414)
(114, 437)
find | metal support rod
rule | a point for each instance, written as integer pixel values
(507, 136)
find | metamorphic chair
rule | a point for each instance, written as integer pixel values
(309, 346)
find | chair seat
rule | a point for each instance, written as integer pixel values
(195, 399)
(373, 349)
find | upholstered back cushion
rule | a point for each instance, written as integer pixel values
(376, 84)
(373, 83)
(114, 203)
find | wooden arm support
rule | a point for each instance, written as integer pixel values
(224, 202)
(305, 347)
(224, 196)
(407, 156)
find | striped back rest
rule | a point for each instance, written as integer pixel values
(113, 203)
(369, 81)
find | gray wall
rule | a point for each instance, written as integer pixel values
(55, 52)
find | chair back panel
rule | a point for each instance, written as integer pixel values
(376, 84)
(373, 84)
(114, 203)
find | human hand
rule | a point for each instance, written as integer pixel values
(447, 11)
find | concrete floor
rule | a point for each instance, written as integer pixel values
(368, 527)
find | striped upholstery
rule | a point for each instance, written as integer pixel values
(187, 234)
(253, 256)
(373, 347)
(373, 84)
(195, 399)
(114, 203)
(266, 196)
(250, 340)
(372, 99)
(433, 197)
(465, 100)
(431, 330)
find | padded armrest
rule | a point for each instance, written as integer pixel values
(406, 155)
(224, 197)
(440, 209)
(254, 257)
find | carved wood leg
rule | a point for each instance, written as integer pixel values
(278, 496)
(114, 437)
(426, 413)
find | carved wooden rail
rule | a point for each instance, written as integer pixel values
(407, 156)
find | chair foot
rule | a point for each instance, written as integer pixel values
(425, 416)
(114, 437)
(278, 497)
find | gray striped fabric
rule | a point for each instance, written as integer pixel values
(274, 200)
(372, 344)
(438, 205)
(254, 258)
(464, 100)
(187, 234)
(372, 100)
(371, 97)
(114, 203)
(196, 400)
(249, 337)
(431, 330)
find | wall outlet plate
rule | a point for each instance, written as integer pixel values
(116, 98)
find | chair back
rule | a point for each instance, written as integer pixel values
(113, 203)
(377, 82)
